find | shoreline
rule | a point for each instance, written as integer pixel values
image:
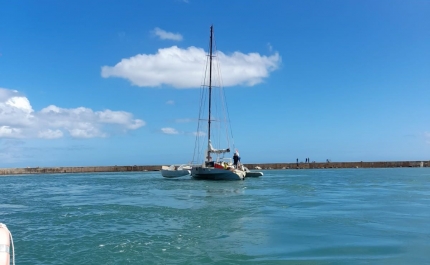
(251, 166)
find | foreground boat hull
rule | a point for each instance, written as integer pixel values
(210, 173)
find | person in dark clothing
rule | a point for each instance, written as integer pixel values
(236, 159)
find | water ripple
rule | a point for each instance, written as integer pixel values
(360, 216)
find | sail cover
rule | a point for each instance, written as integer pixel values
(217, 151)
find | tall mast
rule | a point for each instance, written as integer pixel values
(210, 87)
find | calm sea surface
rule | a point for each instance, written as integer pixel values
(339, 216)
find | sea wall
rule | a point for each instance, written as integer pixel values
(361, 164)
(313, 165)
(48, 170)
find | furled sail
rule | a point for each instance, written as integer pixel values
(217, 151)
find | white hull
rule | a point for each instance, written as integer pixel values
(175, 172)
(251, 174)
(211, 173)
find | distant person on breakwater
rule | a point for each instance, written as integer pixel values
(236, 159)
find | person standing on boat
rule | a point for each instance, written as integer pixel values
(236, 159)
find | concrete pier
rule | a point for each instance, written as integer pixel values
(265, 166)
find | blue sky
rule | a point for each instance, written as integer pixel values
(114, 82)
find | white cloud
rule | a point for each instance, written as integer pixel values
(88, 132)
(50, 134)
(15, 110)
(164, 35)
(170, 102)
(169, 130)
(19, 120)
(9, 132)
(184, 68)
(119, 117)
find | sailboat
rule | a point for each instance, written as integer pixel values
(215, 166)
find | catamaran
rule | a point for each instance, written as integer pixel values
(215, 165)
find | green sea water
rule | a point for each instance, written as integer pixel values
(339, 216)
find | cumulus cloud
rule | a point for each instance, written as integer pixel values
(164, 35)
(10, 132)
(183, 68)
(50, 134)
(169, 130)
(19, 120)
(15, 110)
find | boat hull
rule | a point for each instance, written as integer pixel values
(210, 173)
(174, 173)
(251, 174)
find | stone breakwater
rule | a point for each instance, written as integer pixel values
(312, 165)
(321, 165)
(56, 170)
